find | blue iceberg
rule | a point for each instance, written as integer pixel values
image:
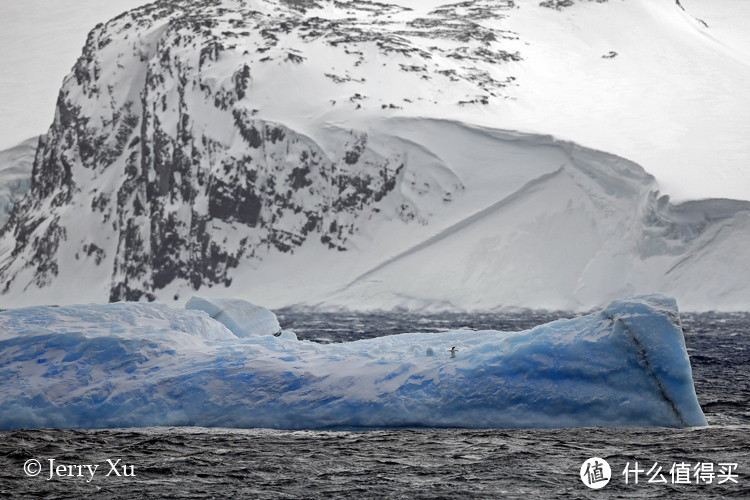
(137, 364)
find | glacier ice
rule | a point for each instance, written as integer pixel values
(136, 364)
(241, 317)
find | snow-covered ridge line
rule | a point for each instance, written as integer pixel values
(125, 365)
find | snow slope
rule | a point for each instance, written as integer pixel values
(349, 154)
(129, 364)
(672, 99)
(594, 229)
(724, 22)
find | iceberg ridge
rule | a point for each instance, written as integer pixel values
(239, 316)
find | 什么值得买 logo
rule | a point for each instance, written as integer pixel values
(595, 473)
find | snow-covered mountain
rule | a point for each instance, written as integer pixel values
(360, 154)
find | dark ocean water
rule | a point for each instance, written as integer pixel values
(411, 463)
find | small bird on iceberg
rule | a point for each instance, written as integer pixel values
(453, 352)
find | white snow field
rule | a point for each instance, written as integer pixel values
(137, 364)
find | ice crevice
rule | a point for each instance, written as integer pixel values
(650, 370)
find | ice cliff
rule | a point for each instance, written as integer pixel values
(138, 364)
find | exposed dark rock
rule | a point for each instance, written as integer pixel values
(561, 4)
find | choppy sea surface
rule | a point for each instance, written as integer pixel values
(712, 462)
